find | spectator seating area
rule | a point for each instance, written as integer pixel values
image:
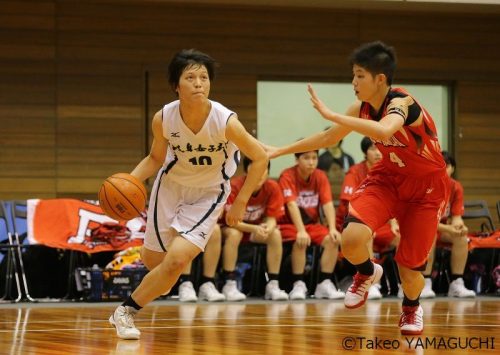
(34, 272)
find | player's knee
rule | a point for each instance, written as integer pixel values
(232, 235)
(299, 247)
(329, 243)
(274, 238)
(175, 263)
(354, 237)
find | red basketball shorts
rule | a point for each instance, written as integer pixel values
(417, 202)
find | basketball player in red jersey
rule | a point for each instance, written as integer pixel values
(387, 235)
(410, 182)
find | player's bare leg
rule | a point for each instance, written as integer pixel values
(274, 254)
(165, 275)
(208, 291)
(459, 255)
(355, 238)
(299, 290)
(411, 321)
(427, 291)
(325, 287)
(157, 282)
(232, 239)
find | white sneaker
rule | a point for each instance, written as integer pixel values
(457, 289)
(374, 292)
(427, 292)
(123, 320)
(326, 289)
(412, 320)
(274, 293)
(357, 293)
(230, 290)
(208, 292)
(299, 291)
(401, 293)
(187, 292)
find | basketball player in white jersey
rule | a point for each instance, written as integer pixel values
(196, 144)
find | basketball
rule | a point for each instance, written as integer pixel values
(122, 196)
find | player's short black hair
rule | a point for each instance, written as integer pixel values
(247, 161)
(299, 154)
(448, 159)
(366, 144)
(377, 58)
(186, 58)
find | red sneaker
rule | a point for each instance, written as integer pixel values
(358, 291)
(412, 320)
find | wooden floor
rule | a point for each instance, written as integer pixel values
(253, 327)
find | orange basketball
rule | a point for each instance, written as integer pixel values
(122, 196)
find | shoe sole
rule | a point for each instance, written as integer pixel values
(457, 296)
(214, 300)
(112, 322)
(411, 332)
(191, 300)
(269, 298)
(236, 299)
(363, 301)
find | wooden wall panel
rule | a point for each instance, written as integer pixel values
(478, 140)
(27, 99)
(99, 128)
(73, 92)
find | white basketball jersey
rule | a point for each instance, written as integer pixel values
(203, 159)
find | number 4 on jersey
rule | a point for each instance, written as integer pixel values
(396, 160)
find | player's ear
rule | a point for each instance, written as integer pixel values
(381, 79)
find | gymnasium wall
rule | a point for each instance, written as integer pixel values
(80, 81)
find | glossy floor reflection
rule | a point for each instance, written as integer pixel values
(253, 327)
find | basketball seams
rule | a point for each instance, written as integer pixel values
(139, 186)
(121, 193)
(119, 196)
(104, 201)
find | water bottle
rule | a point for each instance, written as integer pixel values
(241, 269)
(97, 283)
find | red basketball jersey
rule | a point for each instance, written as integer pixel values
(309, 195)
(411, 150)
(267, 202)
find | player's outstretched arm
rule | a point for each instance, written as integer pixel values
(252, 149)
(381, 130)
(154, 160)
(316, 141)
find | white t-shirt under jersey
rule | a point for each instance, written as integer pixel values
(203, 159)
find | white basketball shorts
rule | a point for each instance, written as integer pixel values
(191, 211)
